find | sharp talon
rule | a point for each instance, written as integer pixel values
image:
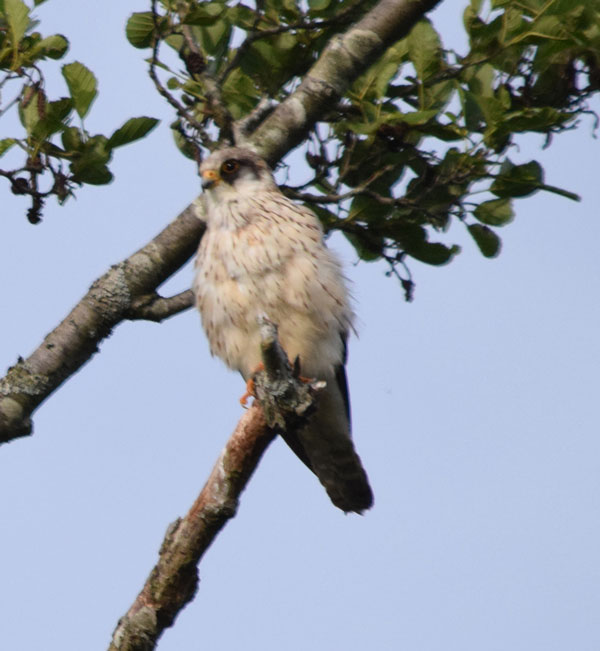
(248, 394)
(251, 386)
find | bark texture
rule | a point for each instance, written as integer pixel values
(174, 579)
(121, 293)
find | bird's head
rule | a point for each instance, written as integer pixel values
(228, 172)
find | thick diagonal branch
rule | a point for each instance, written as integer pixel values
(112, 297)
(345, 58)
(174, 579)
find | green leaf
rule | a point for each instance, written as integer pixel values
(424, 49)
(6, 144)
(492, 109)
(242, 16)
(205, 13)
(215, 37)
(413, 238)
(16, 13)
(368, 246)
(240, 93)
(90, 165)
(318, 5)
(140, 28)
(536, 119)
(364, 209)
(484, 37)
(437, 96)
(473, 114)
(133, 129)
(82, 86)
(281, 10)
(94, 175)
(373, 83)
(496, 212)
(72, 139)
(523, 180)
(434, 253)
(177, 42)
(53, 47)
(446, 132)
(184, 146)
(480, 79)
(54, 116)
(29, 113)
(415, 118)
(518, 180)
(488, 242)
(272, 62)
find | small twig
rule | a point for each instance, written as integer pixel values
(12, 102)
(179, 108)
(214, 97)
(363, 188)
(407, 283)
(153, 307)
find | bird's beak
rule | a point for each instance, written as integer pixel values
(210, 178)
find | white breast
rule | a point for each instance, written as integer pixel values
(266, 256)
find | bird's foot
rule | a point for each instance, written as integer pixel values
(296, 372)
(250, 386)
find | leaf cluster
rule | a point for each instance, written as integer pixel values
(57, 155)
(423, 138)
(222, 82)
(425, 135)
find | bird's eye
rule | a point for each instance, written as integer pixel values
(230, 166)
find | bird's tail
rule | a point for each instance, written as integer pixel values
(325, 446)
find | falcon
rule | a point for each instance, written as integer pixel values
(263, 255)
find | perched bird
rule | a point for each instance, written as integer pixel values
(262, 254)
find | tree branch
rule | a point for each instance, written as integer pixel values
(173, 581)
(153, 307)
(343, 60)
(111, 298)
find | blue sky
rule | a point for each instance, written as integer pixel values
(474, 409)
